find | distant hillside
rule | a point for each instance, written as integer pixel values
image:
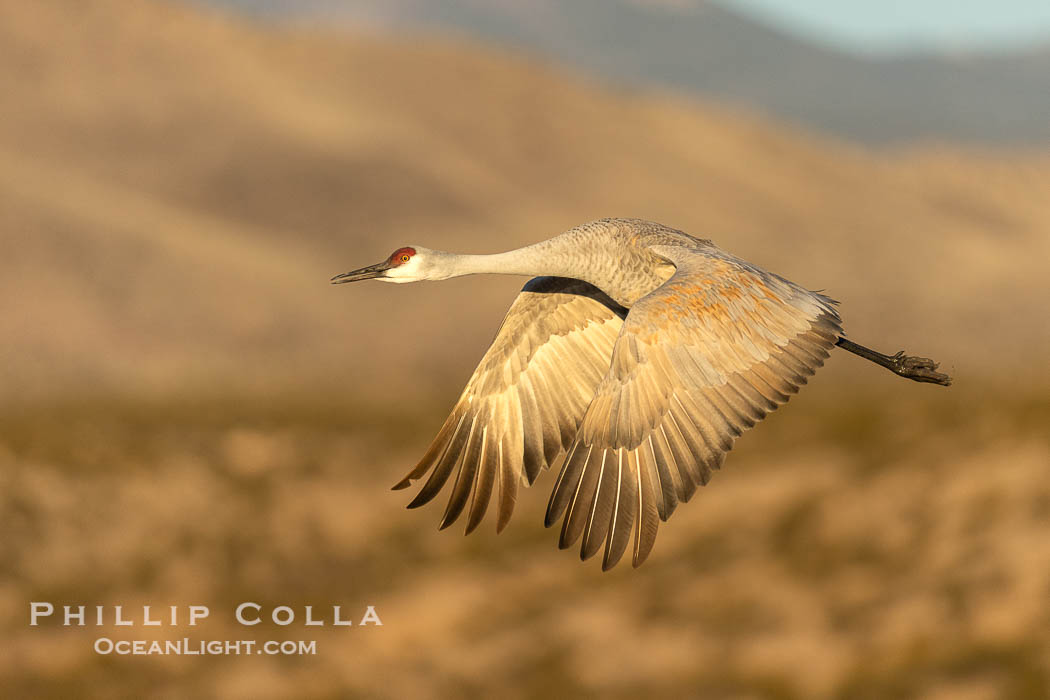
(714, 52)
(177, 186)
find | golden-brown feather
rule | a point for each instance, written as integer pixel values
(699, 360)
(522, 405)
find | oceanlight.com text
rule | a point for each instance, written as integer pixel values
(214, 647)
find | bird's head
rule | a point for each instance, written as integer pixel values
(408, 264)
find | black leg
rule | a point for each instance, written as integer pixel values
(919, 369)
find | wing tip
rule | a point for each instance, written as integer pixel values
(421, 499)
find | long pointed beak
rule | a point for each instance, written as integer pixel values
(365, 273)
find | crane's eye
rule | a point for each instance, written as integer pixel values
(405, 258)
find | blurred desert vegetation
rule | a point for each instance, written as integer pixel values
(190, 414)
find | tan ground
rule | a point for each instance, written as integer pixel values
(190, 414)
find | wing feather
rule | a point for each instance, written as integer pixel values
(625, 509)
(521, 408)
(467, 466)
(586, 491)
(666, 475)
(484, 480)
(649, 514)
(698, 361)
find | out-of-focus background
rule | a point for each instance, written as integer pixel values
(190, 414)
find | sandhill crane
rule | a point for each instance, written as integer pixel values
(638, 353)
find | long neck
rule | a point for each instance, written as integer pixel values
(591, 253)
(535, 260)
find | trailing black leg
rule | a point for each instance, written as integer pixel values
(919, 369)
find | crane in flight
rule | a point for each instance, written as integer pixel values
(638, 353)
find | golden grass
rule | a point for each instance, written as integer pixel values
(867, 548)
(181, 185)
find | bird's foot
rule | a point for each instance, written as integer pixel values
(919, 369)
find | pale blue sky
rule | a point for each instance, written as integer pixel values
(879, 25)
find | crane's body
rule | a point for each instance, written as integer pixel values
(634, 358)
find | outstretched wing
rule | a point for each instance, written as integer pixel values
(702, 358)
(521, 408)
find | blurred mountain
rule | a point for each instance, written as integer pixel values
(708, 50)
(177, 186)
